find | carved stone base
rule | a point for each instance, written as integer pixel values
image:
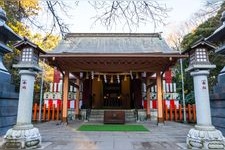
(205, 137)
(22, 137)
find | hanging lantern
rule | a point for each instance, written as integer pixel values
(87, 75)
(143, 74)
(131, 75)
(105, 79)
(81, 75)
(137, 76)
(99, 79)
(111, 80)
(125, 78)
(92, 75)
(118, 78)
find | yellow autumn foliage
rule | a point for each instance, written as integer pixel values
(31, 7)
(45, 43)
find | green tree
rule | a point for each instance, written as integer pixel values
(203, 30)
(17, 11)
(45, 44)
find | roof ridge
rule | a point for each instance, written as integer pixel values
(158, 34)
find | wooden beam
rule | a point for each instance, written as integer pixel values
(159, 97)
(77, 111)
(65, 95)
(148, 99)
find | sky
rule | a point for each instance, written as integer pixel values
(181, 11)
(80, 18)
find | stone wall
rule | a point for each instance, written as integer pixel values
(8, 97)
(8, 106)
(217, 103)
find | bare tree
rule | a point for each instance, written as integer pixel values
(175, 39)
(208, 10)
(56, 18)
(129, 13)
(109, 13)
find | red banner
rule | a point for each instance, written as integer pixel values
(168, 76)
(56, 77)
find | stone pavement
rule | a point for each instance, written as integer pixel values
(65, 137)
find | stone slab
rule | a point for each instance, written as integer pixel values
(218, 122)
(8, 110)
(221, 78)
(8, 94)
(55, 136)
(218, 112)
(5, 76)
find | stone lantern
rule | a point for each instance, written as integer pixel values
(23, 134)
(203, 135)
(8, 95)
(198, 56)
(6, 35)
(29, 57)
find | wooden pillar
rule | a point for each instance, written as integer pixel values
(65, 95)
(159, 97)
(148, 98)
(77, 99)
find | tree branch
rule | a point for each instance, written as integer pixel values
(131, 13)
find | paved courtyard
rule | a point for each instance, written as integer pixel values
(169, 136)
(65, 137)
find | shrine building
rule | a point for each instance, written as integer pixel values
(118, 71)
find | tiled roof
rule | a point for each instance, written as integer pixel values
(98, 43)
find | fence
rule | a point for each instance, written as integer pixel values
(50, 113)
(172, 113)
(176, 114)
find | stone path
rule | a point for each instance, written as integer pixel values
(65, 137)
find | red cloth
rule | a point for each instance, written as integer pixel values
(154, 104)
(172, 104)
(56, 77)
(145, 104)
(50, 103)
(168, 76)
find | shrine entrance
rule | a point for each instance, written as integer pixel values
(110, 69)
(111, 95)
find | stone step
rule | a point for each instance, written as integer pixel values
(101, 119)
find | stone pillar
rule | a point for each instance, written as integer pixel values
(25, 97)
(65, 95)
(202, 97)
(77, 99)
(148, 98)
(159, 97)
(23, 134)
(204, 135)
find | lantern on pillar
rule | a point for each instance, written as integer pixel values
(204, 135)
(6, 35)
(198, 56)
(29, 57)
(23, 132)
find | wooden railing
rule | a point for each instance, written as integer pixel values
(177, 114)
(47, 114)
(172, 114)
